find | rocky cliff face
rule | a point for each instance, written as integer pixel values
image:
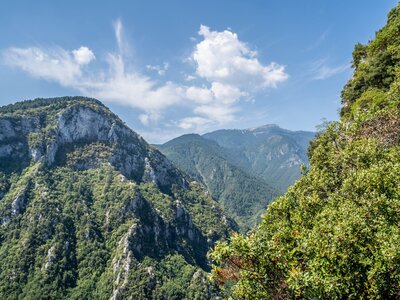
(45, 139)
(82, 194)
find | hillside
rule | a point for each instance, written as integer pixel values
(243, 169)
(269, 152)
(244, 197)
(335, 234)
(89, 210)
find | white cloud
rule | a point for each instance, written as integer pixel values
(189, 77)
(222, 57)
(83, 55)
(228, 69)
(144, 119)
(200, 95)
(216, 113)
(119, 83)
(159, 69)
(232, 71)
(132, 88)
(56, 64)
(216, 103)
(193, 122)
(225, 93)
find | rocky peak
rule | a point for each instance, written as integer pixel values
(83, 194)
(56, 131)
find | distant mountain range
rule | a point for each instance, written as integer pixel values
(244, 169)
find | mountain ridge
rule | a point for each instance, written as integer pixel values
(89, 210)
(214, 157)
(262, 151)
(242, 195)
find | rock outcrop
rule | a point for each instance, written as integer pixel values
(89, 210)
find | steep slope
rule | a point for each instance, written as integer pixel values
(244, 197)
(89, 210)
(335, 234)
(270, 152)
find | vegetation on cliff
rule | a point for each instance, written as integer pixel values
(335, 234)
(88, 210)
(244, 169)
(242, 196)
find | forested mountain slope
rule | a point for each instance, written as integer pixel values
(243, 169)
(244, 197)
(88, 210)
(269, 152)
(335, 234)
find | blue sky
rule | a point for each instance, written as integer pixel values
(174, 67)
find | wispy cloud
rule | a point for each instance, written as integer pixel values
(319, 40)
(159, 69)
(120, 82)
(320, 69)
(189, 122)
(124, 47)
(54, 64)
(228, 69)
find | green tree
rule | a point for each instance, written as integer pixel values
(335, 233)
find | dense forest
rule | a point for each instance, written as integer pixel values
(241, 195)
(244, 169)
(335, 233)
(89, 210)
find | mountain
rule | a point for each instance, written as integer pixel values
(335, 234)
(89, 210)
(244, 197)
(269, 152)
(244, 169)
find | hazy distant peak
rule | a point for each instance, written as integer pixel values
(262, 128)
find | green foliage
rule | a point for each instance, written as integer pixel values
(234, 166)
(267, 152)
(335, 233)
(242, 196)
(44, 106)
(77, 228)
(68, 241)
(359, 54)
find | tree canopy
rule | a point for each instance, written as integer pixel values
(335, 234)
